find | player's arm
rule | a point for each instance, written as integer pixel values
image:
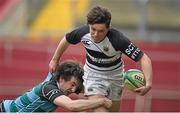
(72, 37)
(146, 66)
(133, 52)
(63, 45)
(81, 104)
(56, 96)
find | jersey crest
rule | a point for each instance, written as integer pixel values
(106, 48)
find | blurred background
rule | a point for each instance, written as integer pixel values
(31, 29)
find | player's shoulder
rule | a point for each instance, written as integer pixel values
(114, 32)
(82, 29)
(78, 31)
(48, 86)
(113, 29)
(50, 90)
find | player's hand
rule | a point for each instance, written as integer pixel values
(142, 90)
(52, 66)
(107, 103)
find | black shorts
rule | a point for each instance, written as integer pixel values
(1, 107)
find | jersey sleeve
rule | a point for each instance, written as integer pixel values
(50, 92)
(75, 36)
(133, 52)
(123, 44)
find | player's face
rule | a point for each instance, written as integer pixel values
(68, 87)
(98, 32)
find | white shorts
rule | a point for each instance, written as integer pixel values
(109, 84)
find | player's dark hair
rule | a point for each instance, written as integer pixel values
(99, 15)
(69, 69)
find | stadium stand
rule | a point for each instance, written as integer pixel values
(5, 6)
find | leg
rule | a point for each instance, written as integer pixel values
(99, 109)
(96, 86)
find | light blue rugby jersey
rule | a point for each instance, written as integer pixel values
(30, 101)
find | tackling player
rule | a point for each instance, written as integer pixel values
(53, 92)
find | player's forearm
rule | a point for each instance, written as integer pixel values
(146, 66)
(81, 105)
(60, 50)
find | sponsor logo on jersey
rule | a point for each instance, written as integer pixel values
(132, 51)
(86, 42)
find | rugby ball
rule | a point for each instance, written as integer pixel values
(134, 78)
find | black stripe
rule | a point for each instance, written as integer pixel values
(106, 69)
(97, 54)
(100, 64)
(132, 82)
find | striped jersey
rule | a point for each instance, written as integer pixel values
(105, 56)
(39, 99)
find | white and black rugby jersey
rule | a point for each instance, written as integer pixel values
(106, 55)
